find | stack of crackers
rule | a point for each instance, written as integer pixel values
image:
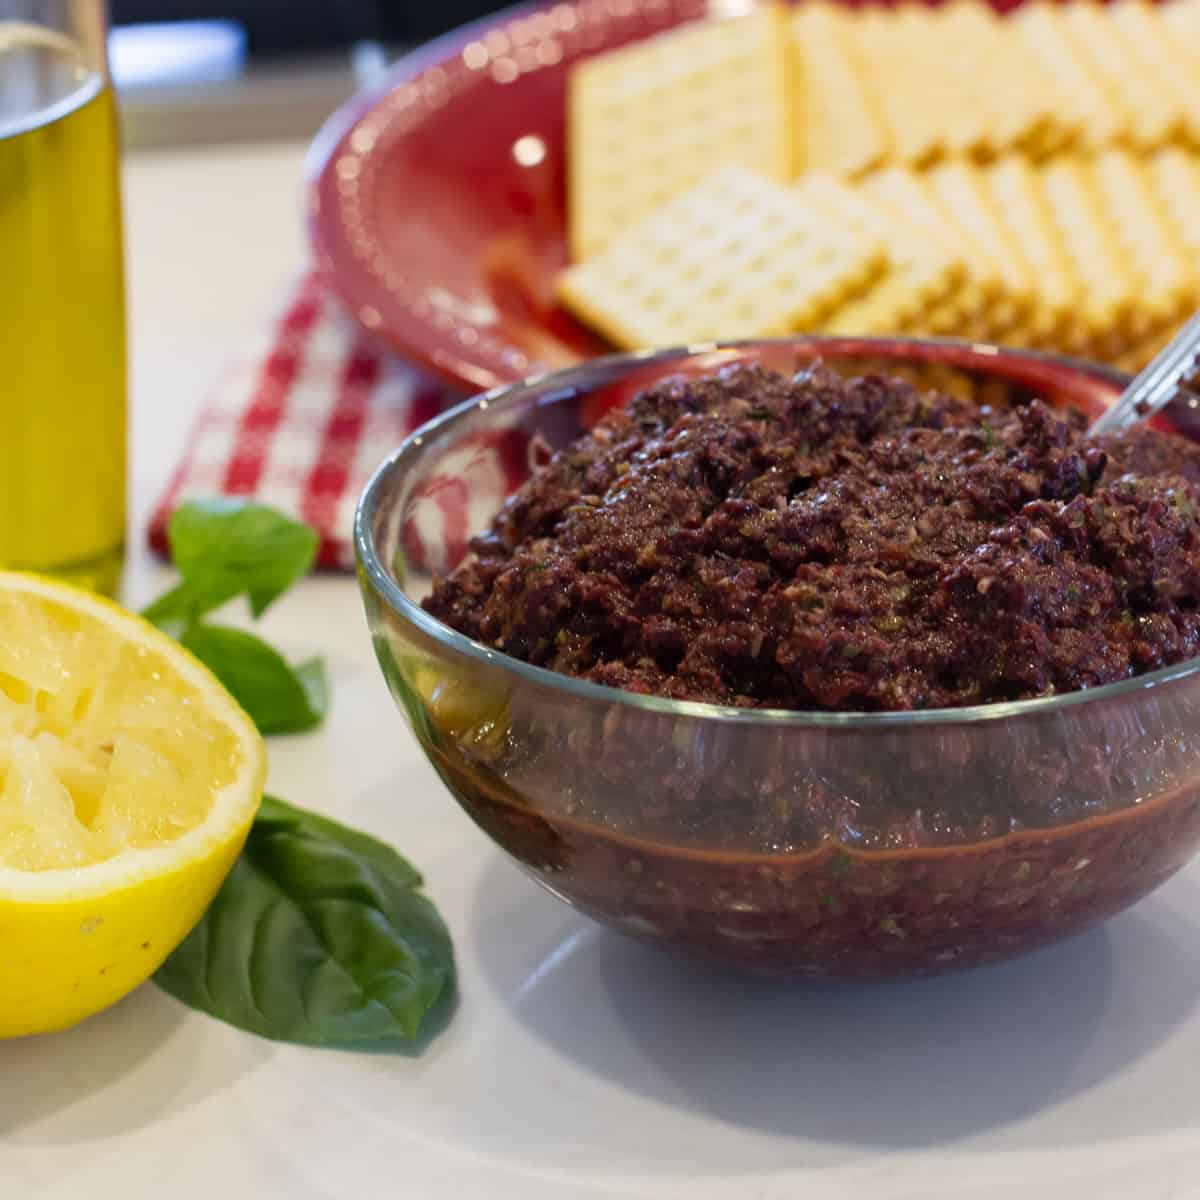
(1032, 179)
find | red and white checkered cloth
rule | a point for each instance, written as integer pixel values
(300, 420)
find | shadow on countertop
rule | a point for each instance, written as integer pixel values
(113, 1073)
(883, 1064)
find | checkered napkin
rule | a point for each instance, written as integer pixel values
(300, 420)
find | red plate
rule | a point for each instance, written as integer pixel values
(437, 201)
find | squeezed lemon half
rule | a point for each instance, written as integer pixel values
(129, 778)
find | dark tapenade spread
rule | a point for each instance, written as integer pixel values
(843, 544)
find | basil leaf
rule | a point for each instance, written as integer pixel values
(318, 936)
(226, 547)
(172, 610)
(313, 679)
(277, 698)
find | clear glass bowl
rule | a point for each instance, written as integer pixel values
(804, 843)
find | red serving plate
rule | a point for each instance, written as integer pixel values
(437, 200)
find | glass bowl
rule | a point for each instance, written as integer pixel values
(802, 843)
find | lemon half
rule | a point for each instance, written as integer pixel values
(129, 778)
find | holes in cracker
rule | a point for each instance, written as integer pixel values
(744, 254)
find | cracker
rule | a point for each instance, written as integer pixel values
(959, 189)
(910, 96)
(1140, 227)
(965, 311)
(1108, 290)
(946, 91)
(1155, 52)
(983, 56)
(1083, 104)
(736, 256)
(839, 128)
(1153, 116)
(1017, 200)
(1174, 176)
(649, 121)
(958, 316)
(1140, 354)
(922, 272)
(1181, 22)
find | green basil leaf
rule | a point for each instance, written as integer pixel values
(277, 816)
(318, 936)
(313, 679)
(172, 610)
(277, 698)
(226, 547)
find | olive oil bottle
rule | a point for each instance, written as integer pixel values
(62, 312)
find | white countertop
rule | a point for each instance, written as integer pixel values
(577, 1065)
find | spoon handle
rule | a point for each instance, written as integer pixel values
(1156, 385)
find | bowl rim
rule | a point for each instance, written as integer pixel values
(384, 583)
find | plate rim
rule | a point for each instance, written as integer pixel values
(319, 160)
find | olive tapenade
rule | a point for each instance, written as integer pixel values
(824, 543)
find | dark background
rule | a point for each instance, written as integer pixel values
(278, 26)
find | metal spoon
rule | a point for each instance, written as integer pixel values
(1155, 387)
